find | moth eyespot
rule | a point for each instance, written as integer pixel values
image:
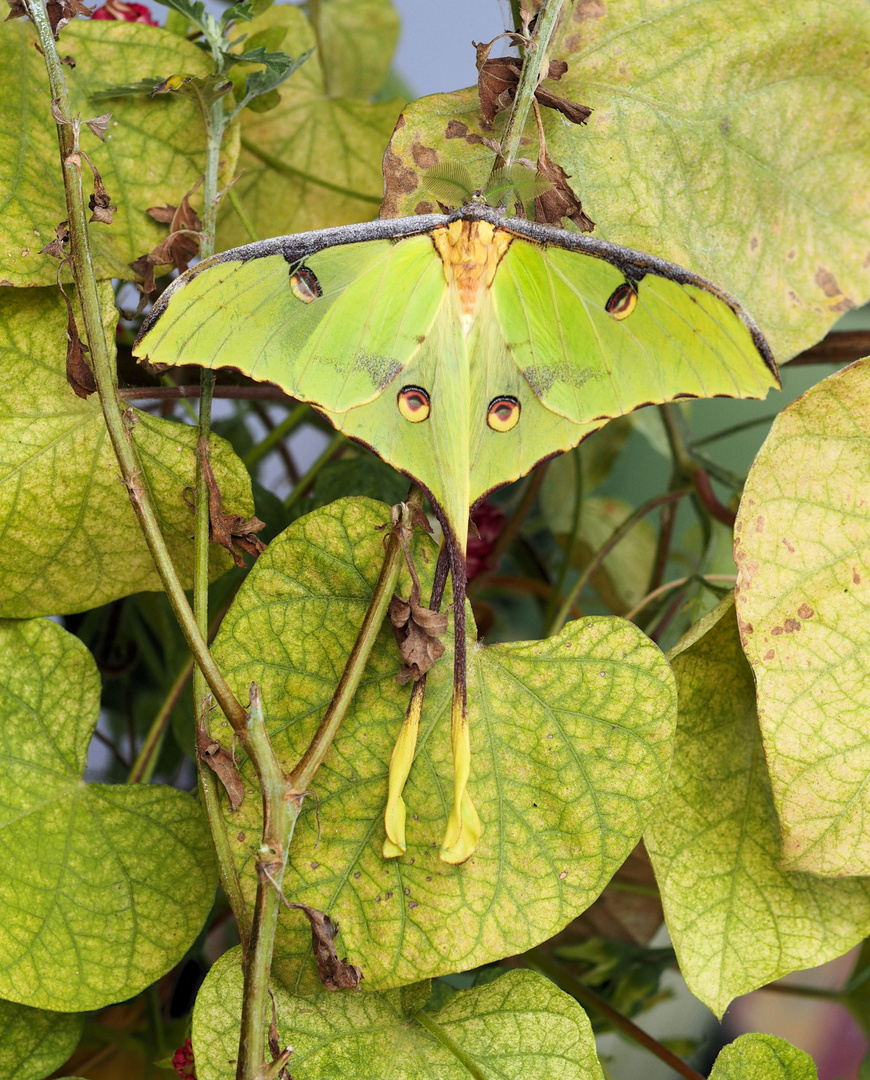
(414, 404)
(503, 413)
(304, 285)
(622, 302)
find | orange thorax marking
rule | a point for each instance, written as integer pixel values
(471, 252)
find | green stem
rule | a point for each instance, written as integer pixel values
(202, 528)
(618, 534)
(119, 424)
(297, 174)
(303, 774)
(247, 224)
(213, 115)
(146, 762)
(535, 56)
(306, 480)
(279, 819)
(571, 539)
(588, 998)
(276, 435)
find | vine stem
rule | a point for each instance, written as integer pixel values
(535, 58)
(283, 797)
(564, 979)
(616, 536)
(119, 423)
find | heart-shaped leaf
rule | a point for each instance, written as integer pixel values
(736, 918)
(724, 136)
(570, 740)
(315, 159)
(35, 1042)
(803, 589)
(763, 1057)
(87, 871)
(70, 538)
(154, 150)
(519, 1027)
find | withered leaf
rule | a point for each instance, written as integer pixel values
(61, 11)
(497, 82)
(185, 236)
(57, 115)
(231, 531)
(16, 10)
(417, 631)
(100, 202)
(559, 200)
(98, 125)
(56, 248)
(221, 762)
(78, 371)
(335, 974)
(144, 266)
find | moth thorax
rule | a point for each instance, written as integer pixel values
(471, 252)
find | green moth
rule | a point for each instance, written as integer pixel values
(462, 348)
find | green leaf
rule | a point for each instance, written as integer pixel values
(154, 150)
(314, 160)
(71, 539)
(736, 918)
(278, 68)
(570, 746)
(88, 872)
(35, 1042)
(803, 553)
(763, 1057)
(520, 1027)
(698, 143)
(356, 40)
(359, 473)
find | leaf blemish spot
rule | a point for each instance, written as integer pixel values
(769, 655)
(805, 611)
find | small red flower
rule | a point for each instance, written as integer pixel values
(182, 1059)
(489, 520)
(122, 11)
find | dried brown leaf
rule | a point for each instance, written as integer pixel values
(56, 248)
(100, 203)
(98, 125)
(335, 974)
(560, 200)
(57, 115)
(497, 82)
(222, 764)
(16, 10)
(231, 531)
(78, 371)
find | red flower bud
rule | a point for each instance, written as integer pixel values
(489, 519)
(182, 1059)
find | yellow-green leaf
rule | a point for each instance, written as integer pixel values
(570, 744)
(102, 888)
(355, 40)
(803, 594)
(153, 153)
(35, 1042)
(725, 136)
(519, 1027)
(70, 538)
(737, 919)
(763, 1057)
(314, 160)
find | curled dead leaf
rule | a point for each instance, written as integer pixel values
(58, 248)
(222, 764)
(78, 371)
(231, 531)
(335, 974)
(559, 200)
(98, 125)
(416, 629)
(497, 82)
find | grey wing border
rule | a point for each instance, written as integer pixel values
(633, 264)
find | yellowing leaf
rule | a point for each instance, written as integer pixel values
(154, 149)
(803, 594)
(710, 144)
(737, 919)
(314, 160)
(70, 538)
(355, 39)
(35, 1042)
(102, 888)
(570, 744)
(763, 1057)
(519, 1027)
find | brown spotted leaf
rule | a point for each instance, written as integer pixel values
(803, 597)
